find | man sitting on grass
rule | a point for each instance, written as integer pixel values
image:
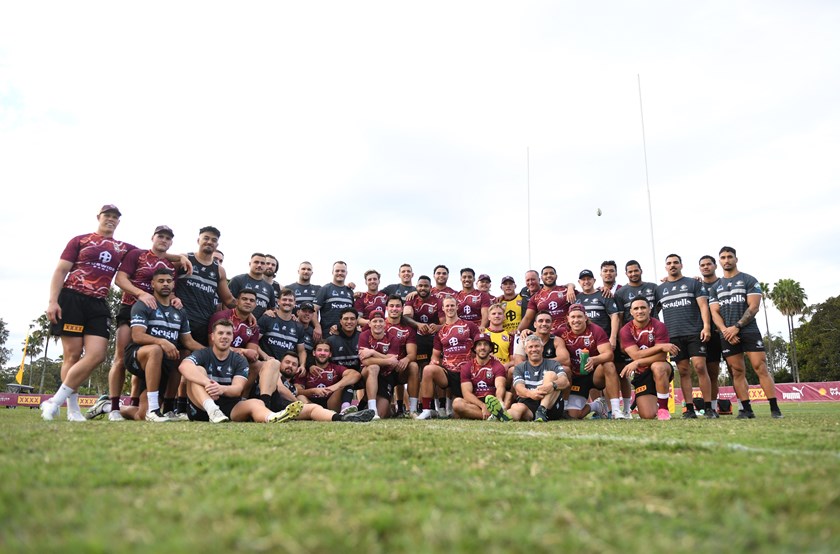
(538, 382)
(482, 376)
(325, 383)
(216, 377)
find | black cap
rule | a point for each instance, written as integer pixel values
(164, 229)
(307, 306)
(586, 273)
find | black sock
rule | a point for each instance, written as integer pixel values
(746, 405)
(336, 417)
(266, 398)
(168, 405)
(689, 407)
(441, 403)
(135, 400)
(181, 404)
(774, 405)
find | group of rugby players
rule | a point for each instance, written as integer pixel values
(247, 349)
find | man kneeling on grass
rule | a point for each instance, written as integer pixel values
(646, 341)
(287, 392)
(482, 376)
(216, 377)
(538, 382)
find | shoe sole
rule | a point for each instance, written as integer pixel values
(495, 407)
(291, 412)
(360, 417)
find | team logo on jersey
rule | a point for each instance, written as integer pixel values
(683, 288)
(489, 373)
(105, 257)
(176, 316)
(460, 330)
(664, 292)
(586, 342)
(467, 310)
(453, 342)
(552, 305)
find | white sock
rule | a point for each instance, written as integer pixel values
(412, 404)
(714, 405)
(344, 406)
(627, 403)
(615, 405)
(448, 405)
(62, 394)
(209, 405)
(662, 395)
(740, 406)
(371, 404)
(73, 404)
(154, 404)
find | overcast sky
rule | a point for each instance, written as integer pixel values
(382, 133)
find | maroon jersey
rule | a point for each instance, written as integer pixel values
(403, 333)
(244, 332)
(482, 376)
(388, 345)
(319, 378)
(368, 302)
(651, 334)
(140, 266)
(426, 310)
(470, 304)
(553, 301)
(440, 294)
(95, 261)
(455, 341)
(590, 339)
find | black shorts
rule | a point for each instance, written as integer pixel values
(132, 364)
(425, 345)
(82, 315)
(750, 342)
(278, 402)
(690, 347)
(225, 403)
(582, 384)
(386, 384)
(644, 383)
(198, 330)
(530, 403)
(453, 379)
(713, 348)
(319, 400)
(124, 315)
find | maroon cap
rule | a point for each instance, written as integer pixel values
(484, 277)
(376, 313)
(507, 278)
(164, 229)
(482, 337)
(110, 208)
(576, 308)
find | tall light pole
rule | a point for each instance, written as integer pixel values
(647, 180)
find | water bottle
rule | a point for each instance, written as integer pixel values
(584, 358)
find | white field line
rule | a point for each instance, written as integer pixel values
(596, 437)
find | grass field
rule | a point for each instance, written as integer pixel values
(440, 486)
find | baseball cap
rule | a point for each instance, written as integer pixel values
(307, 306)
(576, 308)
(483, 277)
(586, 273)
(164, 229)
(110, 208)
(507, 278)
(482, 337)
(376, 314)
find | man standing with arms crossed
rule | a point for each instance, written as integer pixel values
(685, 307)
(304, 290)
(331, 299)
(735, 302)
(254, 280)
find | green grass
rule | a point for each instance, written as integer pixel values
(441, 486)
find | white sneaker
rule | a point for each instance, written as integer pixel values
(217, 416)
(601, 407)
(49, 410)
(115, 416)
(176, 416)
(425, 414)
(628, 415)
(75, 416)
(156, 417)
(620, 415)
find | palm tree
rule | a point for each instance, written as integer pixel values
(789, 298)
(765, 294)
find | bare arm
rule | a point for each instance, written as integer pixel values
(56, 284)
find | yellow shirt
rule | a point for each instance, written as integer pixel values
(502, 342)
(513, 312)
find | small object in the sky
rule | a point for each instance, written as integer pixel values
(599, 211)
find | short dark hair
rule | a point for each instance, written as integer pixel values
(707, 257)
(348, 310)
(440, 266)
(632, 262)
(163, 271)
(248, 291)
(395, 297)
(319, 343)
(257, 254)
(608, 262)
(548, 267)
(286, 291)
(210, 229)
(642, 298)
(543, 312)
(677, 256)
(426, 277)
(273, 258)
(467, 270)
(223, 323)
(727, 249)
